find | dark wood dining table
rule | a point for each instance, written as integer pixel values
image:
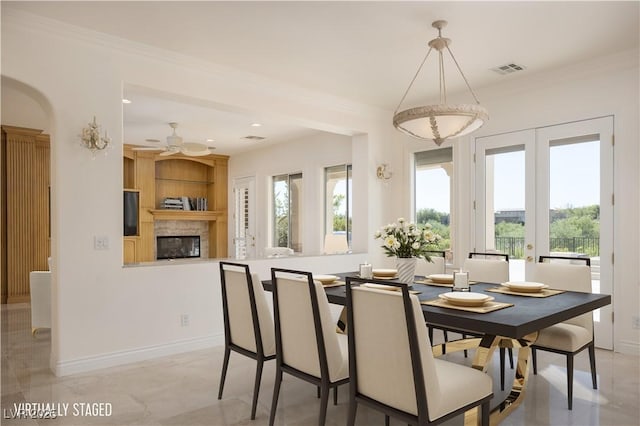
(516, 326)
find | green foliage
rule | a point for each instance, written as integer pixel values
(509, 229)
(424, 216)
(575, 229)
(339, 219)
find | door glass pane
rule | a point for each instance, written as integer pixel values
(574, 195)
(242, 221)
(505, 205)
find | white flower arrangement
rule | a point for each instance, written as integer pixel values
(407, 240)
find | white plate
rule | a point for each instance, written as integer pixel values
(463, 298)
(325, 279)
(525, 286)
(385, 272)
(380, 286)
(441, 278)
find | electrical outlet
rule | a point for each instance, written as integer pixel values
(184, 320)
(100, 243)
(636, 321)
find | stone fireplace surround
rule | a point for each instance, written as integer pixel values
(178, 228)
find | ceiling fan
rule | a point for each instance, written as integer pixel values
(175, 145)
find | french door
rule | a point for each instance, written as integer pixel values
(244, 239)
(550, 191)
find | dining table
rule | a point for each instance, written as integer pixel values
(515, 325)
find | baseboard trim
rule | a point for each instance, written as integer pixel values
(90, 363)
(628, 347)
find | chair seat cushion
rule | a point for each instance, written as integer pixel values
(459, 385)
(564, 337)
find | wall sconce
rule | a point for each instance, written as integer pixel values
(382, 173)
(91, 138)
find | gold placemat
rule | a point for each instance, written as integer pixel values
(487, 307)
(546, 292)
(429, 282)
(334, 284)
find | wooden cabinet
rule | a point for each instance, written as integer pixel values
(25, 217)
(159, 177)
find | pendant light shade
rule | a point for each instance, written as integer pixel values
(442, 121)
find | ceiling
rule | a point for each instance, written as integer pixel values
(363, 51)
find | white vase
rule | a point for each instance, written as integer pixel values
(406, 269)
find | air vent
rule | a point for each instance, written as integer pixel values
(153, 140)
(508, 69)
(253, 138)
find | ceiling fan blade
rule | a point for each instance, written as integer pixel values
(167, 153)
(148, 148)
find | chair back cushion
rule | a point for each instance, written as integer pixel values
(488, 271)
(564, 276)
(383, 359)
(335, 244)
(436, 266)
(298, 333)
(240, 319)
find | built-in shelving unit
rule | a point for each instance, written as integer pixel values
(176, 176)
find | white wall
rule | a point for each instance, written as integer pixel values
(600, 87)
(310, 156)
(102, 313)
(105, 314)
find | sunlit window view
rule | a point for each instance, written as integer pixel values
(287, 207)
(574, 193)
(433, 183)
(505, 174)
(338, 201)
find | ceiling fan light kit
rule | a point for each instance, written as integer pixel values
(442, 121)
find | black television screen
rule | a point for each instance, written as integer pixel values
(130, 213)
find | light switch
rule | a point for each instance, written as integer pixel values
(100, 243)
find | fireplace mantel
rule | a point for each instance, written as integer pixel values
(166, 214)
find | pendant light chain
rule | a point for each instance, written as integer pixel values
(413, 80)
(463, 76)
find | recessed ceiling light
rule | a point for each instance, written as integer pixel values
(210, 140)
(256, 125)
(126, 101)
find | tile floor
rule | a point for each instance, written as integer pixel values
(182, 389)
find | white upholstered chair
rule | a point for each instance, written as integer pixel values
(490, 268)
(248, 324)
(335, 244)
(40, 290)
(572, 336)
(392, 366)
(436, 266)
(308, 346)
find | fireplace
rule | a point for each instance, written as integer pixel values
(178, 247)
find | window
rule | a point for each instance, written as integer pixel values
(338, 203)
(287, 211)
(433, 183)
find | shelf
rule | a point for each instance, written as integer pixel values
(168, 214)
(185, 181)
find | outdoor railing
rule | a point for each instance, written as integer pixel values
(514, 246)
